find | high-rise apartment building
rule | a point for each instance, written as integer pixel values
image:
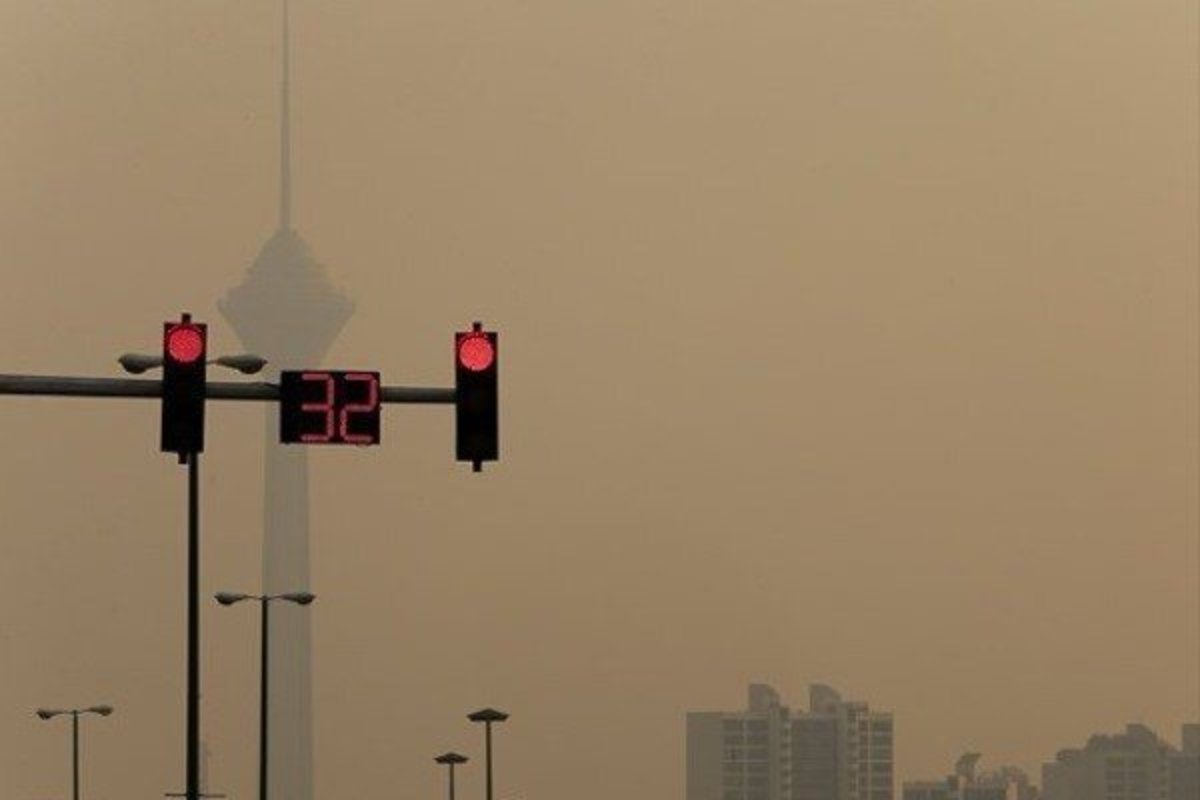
(864, 745)
(814, 756)
(836, 750)
(1184, 767)
(1191, 738)
(866, 753)
(740, 755)
(1133, 765)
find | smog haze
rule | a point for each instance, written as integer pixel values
(843, 342)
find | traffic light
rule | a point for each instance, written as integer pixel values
(185, 356)
(477, 435)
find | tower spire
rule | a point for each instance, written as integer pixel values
(285, 132)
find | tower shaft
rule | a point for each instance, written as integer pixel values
(287, 311)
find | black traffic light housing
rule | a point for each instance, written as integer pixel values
(185, 367)
(476, 396)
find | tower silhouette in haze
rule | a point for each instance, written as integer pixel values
(287, 310)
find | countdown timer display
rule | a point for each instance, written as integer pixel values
(329, 407)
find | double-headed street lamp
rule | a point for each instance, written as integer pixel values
(487, 716)
(50, 713)
(451, 760)
(264, 601)
(245, 363)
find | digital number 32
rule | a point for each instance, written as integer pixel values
(328, 407)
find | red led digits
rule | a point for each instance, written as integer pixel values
(325, 407)
(329, 407)
(185, 343)
(475, 351)
(368, 406)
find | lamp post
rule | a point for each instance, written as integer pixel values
(50, 713)
(451, 759)
(264, 601)
(247, 364)
(487, 716)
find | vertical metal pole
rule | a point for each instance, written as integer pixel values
(451, 780)
(75, 753)
(193, 637)
(488, 735)
(262, 704)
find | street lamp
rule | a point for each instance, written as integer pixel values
(264, 601)
(245, 363)
(487, 716)
(450, 760)
(50, 713)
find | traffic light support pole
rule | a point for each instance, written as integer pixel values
(62, 386)
(75, 755)
(263, 693)
(193, 637)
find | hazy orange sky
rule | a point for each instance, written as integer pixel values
(843, 341)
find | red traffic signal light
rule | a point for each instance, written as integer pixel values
(184, 342)
(183, 386)
(476, 351)
(476, 401)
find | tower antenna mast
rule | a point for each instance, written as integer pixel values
(285, 131)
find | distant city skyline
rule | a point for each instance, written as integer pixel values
(843, 750)
(1135, 764)
(834, 750)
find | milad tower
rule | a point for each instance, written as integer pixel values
(287, 311)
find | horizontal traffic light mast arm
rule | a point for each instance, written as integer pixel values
(59, 386)
(416, 394)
